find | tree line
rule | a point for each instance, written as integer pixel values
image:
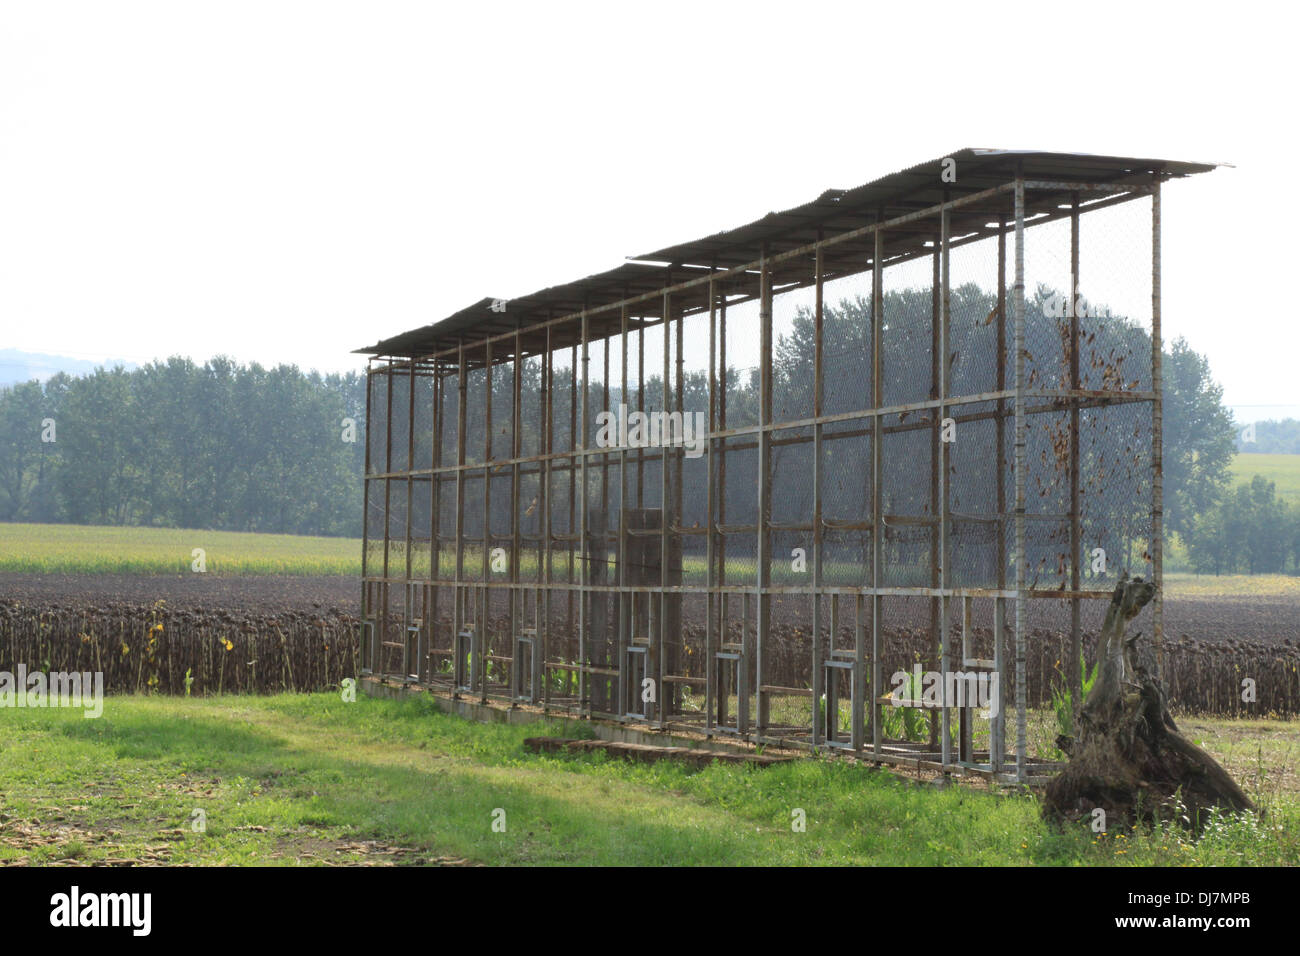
(1227, 529)
(244, 447)
(175, 443)
(1249, 529)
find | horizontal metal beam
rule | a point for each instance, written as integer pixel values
(802, 589)
(1089, 187)
(1086, 398)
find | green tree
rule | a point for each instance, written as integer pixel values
(1198, 438)
(97, 480)
(1266, 541)
(23, 410)
(1250, 530)
(1207, 541)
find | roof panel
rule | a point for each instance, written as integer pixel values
(833, 211)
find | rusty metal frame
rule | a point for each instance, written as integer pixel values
(678, 299)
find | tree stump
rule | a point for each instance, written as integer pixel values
(1129, 758)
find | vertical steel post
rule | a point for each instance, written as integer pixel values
(1074, 671)
(624, 598)
(877, 466)
(462, 593)
(710, 527)
(944, 516)
(573, 519)
(366, 609)
(378, 663)
(1157, 440)
(408, 611)
(1018, 293)
(819, 678)
(519, 678)
(677, 552)
(935, 476)
(435, 519)
(584, 558)
(763, 624)
(665, 520)
(546, 552)
(998, 728)
(485, 593)
(608, 662)
(724, 599)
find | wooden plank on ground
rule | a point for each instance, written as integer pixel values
(648, 753)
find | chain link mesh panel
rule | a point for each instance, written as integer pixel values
(945, 453)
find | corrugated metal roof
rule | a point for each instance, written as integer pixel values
(834, 211)
(909, 190)
(488, 317)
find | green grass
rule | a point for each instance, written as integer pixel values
(83, 549)
(309, 779)
(1282, 470)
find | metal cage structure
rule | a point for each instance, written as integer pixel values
(794, 481)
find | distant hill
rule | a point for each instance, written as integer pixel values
(17, 366)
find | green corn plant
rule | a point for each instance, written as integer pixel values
(1063, 698)
(911, 721)
(891, 722)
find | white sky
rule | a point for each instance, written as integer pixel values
(285, 181)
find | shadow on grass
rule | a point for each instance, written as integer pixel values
(447, 805)
(147, 738)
